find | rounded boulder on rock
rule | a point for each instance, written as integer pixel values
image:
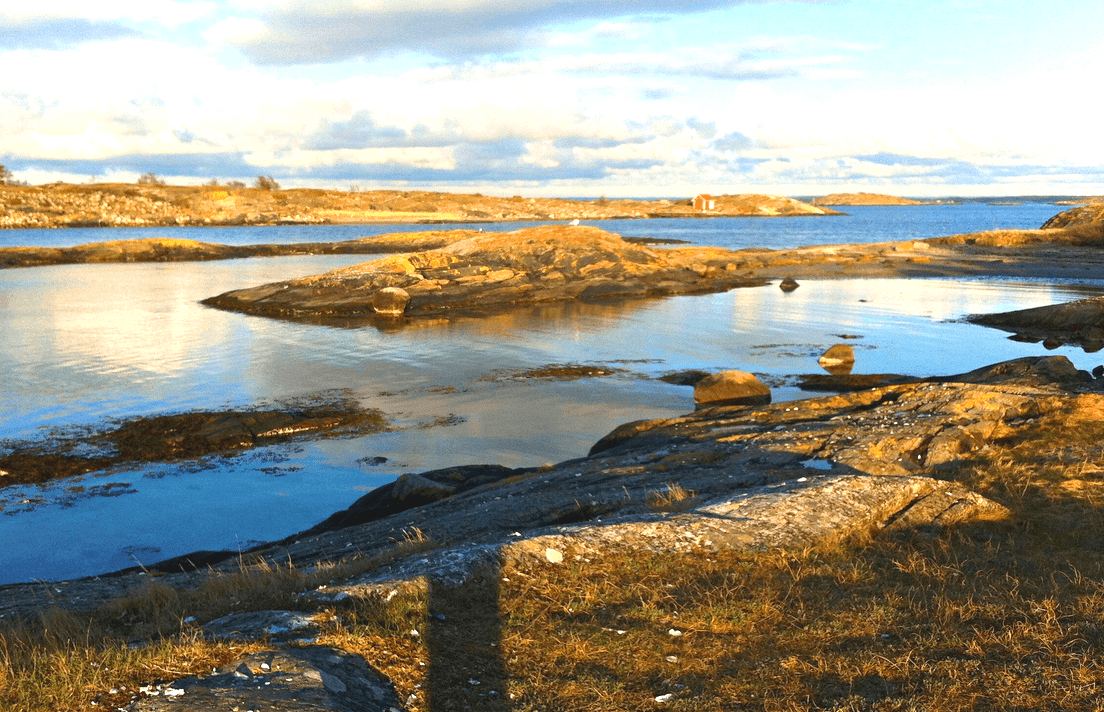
(838, 355)
(731, 388)
(390, 301)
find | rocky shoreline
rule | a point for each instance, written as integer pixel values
(818, 467)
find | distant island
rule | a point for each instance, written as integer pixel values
(866, 199)
(151, 205)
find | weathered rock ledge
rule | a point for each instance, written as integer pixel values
(746, 478)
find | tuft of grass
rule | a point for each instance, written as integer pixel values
(672, 498)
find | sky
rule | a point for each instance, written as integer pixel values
(560, 98)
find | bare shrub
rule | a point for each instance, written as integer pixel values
(150, 179)
(266, 183)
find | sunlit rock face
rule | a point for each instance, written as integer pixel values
(541, 264)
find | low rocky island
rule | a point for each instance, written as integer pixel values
(836, 199)
(484, 270)
(552, 263)
(62, 205)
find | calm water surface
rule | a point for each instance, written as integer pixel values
(861, 224)
(84, 343)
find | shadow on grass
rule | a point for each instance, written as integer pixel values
(464, 637)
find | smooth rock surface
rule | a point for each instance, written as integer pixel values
(838, 360)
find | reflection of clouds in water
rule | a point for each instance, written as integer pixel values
(81, 337)
(937, 299)
(137, 323)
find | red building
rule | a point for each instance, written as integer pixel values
(704, 202)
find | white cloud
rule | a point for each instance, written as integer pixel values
(236, 31)
(168, 13)
(304, 32)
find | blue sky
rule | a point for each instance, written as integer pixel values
(560, 97)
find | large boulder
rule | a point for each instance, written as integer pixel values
(731, 388)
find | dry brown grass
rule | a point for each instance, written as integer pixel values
(672, 498)
(63, 661)
(989, 616)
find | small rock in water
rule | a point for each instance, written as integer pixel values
(731, 388)
(838, 355)
(788, 284)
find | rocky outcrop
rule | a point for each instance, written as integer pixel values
(494, 269)
(1080, 323)
(1092, 214)
(865, 199)
(748, 205)
(784, 475)
(788, 284)
(414, 490)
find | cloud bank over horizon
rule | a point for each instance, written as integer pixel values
(559, 97)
